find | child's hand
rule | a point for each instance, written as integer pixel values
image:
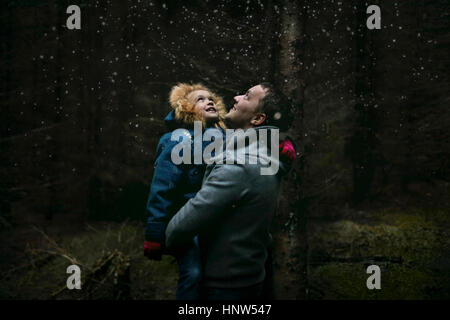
(152, 250)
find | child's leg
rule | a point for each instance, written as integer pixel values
(189, 264)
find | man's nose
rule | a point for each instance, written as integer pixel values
(236, 98)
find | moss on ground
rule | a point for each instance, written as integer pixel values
(113, 251)
(412, 249)
(348, 281)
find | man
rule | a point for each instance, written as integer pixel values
(232, 211)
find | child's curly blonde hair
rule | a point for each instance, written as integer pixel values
(185, 111)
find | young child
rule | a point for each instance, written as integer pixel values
(173, 185)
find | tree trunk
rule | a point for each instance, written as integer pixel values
(290, 231)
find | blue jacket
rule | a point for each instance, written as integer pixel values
(172, 185)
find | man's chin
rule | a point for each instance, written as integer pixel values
(228, 121)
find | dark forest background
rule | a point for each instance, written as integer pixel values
(82, 112)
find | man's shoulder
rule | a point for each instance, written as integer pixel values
(242, 172)
(228, 168)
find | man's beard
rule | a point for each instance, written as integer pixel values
(230, 123)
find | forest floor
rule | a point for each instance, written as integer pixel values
(411, 246)
(109, 256)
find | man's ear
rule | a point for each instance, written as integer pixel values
(258, 119)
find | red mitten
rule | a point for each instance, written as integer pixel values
(287, 151)
(152, 250)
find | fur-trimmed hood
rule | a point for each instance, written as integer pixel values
(185, 112)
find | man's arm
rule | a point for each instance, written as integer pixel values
(225, 185)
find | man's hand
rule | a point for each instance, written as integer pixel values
(287, 151)
(152, 250)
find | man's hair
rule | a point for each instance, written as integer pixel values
(277, 107)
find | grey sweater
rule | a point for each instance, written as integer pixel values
(231, 214)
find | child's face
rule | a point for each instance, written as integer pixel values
(204, 103)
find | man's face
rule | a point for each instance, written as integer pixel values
(204, 103)
(245, 114)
